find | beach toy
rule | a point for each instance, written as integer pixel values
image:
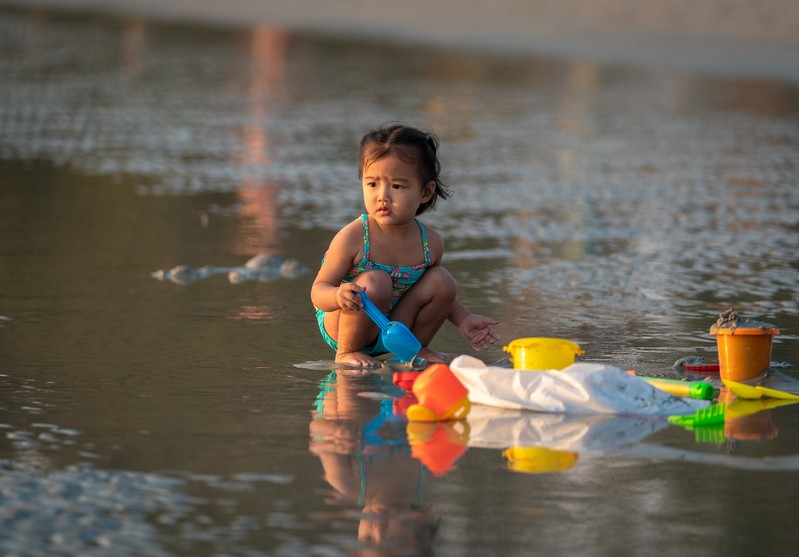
(754, 392)
(405, 380)
(396, 336)
(707, 424)
(738, 407)
(744, 346)
(751, 420)
(713, 414)
(715, 434)
(700, 390)
(770, 383)
(705, 368)
(542, 353)
(438, 445)
(539, 460)
(695, 364)
(440, 394)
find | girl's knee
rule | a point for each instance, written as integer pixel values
(439, 284)
(377, 283)
(442, 280)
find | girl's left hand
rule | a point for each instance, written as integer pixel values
(479, 331)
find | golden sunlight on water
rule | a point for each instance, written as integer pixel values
(169, 190)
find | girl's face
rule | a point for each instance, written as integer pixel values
(392, 190)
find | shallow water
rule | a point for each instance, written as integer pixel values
(621, 208)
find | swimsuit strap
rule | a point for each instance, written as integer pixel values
(424, 243)
(366, 243)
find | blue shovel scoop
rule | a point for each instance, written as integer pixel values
(396, 336)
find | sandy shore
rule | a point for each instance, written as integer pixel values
(733, 37)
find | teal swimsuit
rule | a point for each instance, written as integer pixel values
(402, 278)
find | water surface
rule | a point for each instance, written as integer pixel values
(621, 208)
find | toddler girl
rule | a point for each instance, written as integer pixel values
(391, 255)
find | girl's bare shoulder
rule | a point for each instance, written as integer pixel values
(350, 233)
(348, 241)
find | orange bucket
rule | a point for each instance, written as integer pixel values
(440, 394)
(744, 352)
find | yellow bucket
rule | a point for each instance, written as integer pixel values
(542, 353)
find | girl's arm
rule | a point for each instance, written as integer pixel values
(477, 329)
(328, 293)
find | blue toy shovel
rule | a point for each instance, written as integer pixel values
(396, 336)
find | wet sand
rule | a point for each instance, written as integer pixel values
(728, 37)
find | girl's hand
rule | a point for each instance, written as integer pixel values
(348, 297)
(479, 331)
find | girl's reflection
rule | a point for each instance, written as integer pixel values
(366, 458)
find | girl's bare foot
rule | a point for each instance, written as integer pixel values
(357, 359)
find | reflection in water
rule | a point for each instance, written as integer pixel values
(134, 42)
(540, 442)
(750, 420)
(32, 47)
(539, 460)
(259, 196)
(360, 437)
(367, 460)
(598, 434)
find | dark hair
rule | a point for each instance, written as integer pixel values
(405, 140)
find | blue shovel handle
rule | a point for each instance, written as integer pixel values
(396, 336)
(374, 313)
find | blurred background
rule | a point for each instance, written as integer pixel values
(728, 36)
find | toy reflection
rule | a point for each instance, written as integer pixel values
(367, 459)
(750, 420)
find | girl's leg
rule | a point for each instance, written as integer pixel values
(425, 307)
(353, 330)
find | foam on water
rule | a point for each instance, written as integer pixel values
(86, 511)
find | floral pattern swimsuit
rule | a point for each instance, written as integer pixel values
(402, 278)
